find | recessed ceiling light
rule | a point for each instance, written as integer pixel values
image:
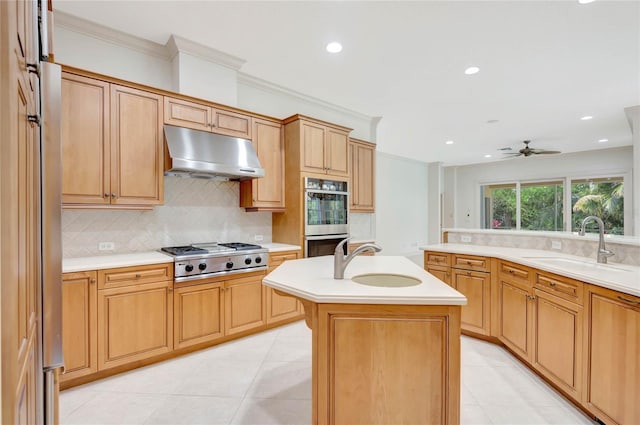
(603, 140)
(585, 1)
(487, 156)
(472, 70)
(449, 142)
(586, 118)
(334, 47)
(492, 121)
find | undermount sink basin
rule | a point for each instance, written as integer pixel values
(569, 262)
(389, 280)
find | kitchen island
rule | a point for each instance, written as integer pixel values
(380, 354)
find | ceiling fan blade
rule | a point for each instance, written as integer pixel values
(543, 152)
(511, 154)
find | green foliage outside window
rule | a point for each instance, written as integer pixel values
(604, 199)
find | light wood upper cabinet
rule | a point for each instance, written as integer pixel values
(323, 148)
(203, 117)
(136, 147)
(362, 171)
(112, 145)
(266, 193)
(612, 367)
(85, 141)
(79, 324)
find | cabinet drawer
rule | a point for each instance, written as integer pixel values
(470, 262)
(560, 286)
(124, 276)
(437, 258)
(276, 259)
(510, 272)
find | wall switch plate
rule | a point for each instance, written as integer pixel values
(556, 245)
(106, 246)
(465, 238)
(258, 238)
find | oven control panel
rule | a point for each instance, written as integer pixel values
(220, 264)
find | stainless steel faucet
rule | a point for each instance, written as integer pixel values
(603, 253)
(340, 260)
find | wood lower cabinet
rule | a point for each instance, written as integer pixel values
(266, 193)
(112, 144)
(80, 324)
(442, 273)
(362, 172)
(135, 321)
(476, 286)
(198, 314)
(281, 307)
(612, 366)
(245, 306)
(515, 312)
(558, 341)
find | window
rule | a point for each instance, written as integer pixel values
(499, 206)
(540, 205)
(603, 198)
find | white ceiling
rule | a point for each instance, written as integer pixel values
(543, 65)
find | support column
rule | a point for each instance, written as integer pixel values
(633, 116)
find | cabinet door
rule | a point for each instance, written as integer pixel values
(313, 155)
(198, 313)
(266, 193)
(134, 323)
(280, 307)
(231, 123)
(79, 324)
(515, 316)
(337, 152)
(476, 286)
(244, 304)
(187, 114)
(136, 147)
(613, 372)
(85, 140)
(362, 177)
(442, 273)
(558, 341)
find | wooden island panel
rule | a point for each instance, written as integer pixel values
(384, 364)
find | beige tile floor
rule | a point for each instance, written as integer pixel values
(266, 379)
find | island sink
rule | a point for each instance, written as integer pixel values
(388, 280)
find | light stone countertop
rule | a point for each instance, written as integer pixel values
(620, 277)
(312, 279)
(98, 262)
(111, 261)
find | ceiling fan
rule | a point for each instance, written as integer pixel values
(527, 151)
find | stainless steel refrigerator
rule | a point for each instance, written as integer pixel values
(50, 313)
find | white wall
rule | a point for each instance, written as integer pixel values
(401, 205)
(616, 161)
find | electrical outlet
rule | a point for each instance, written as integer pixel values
(556, 245)
(465, 238)
(106, 246)
(258, 238)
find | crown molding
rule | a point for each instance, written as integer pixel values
(177, 44)
(110, 35)
(267, 86)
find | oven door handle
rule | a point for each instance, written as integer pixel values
(322, 237)
(330, 192)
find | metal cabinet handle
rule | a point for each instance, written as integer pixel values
(138, 276)
(552, 284)
(511, 271)
(92, 281)
(113, 195)
(621, 298)
(106, 195)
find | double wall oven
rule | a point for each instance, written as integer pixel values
(326, 209)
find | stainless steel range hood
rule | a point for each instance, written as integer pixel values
(201, 154)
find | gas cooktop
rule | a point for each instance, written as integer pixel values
(209, 248)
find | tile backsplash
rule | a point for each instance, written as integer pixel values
(195, 210)
(626, 253)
